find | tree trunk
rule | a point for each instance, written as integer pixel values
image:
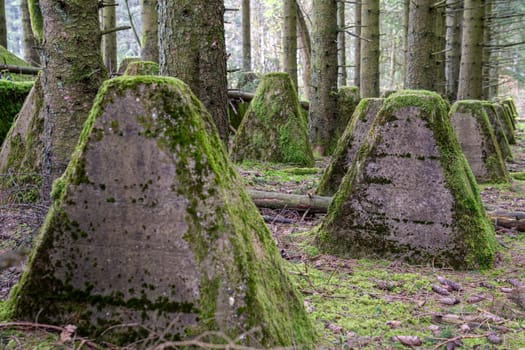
(246, 37)
(3, 25)
(490, 62)
(438, 52)
(420, 72)
(109, 40)
(406, 18)
(150, 29)
(37, 22)
(341, 43)
(290, 40)
(470, 71)
(357, 44)
(73, 71)
(306, 49)
(31, 54)
(369, 85)
(454, 15)
(323, 91)
(192, 48)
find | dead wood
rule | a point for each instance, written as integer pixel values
(277, 200)
(246, 96)
(20, 69)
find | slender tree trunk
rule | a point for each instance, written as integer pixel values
(490, 63)
(306, 49)
(421, 36)
(357, 44)
(290, 40)
(471, 68)
(341, 41)
(3, 25)
(31, 54)
(406, 18)
(438, 52)
(73, 71)
(454, 16)
(323, 92)
(246, 37)
(109, 40)
(369, 85)
(150, 28)
(192, 48)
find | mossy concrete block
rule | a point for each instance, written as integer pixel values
(503, 112)
(150, 225)
(248, 81)
(491, 109)
(478, 142)
(410, 193)
(274, 129)
(125, 62)
(348, 145)
(21, 153)
(347, 100)
(12, 95)
(142, 68)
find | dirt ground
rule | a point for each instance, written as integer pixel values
(358, 304)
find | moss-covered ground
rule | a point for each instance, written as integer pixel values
(378, 304)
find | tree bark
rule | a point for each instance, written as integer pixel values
(357, 44)
(323, 91)
(290, 40)
(406, 18)
(192, 48)
(454, 15)
(341, 43)
(278, 200)
(73, 71)
(490, 62)
(3, 25)
(420, 72)
(471, 68)
(150, 29)
(31, 54)
(109, 40)
(369, 86)
(306, 49)
(246, 37)
(438, 51)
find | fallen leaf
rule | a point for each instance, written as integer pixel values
(408, 340)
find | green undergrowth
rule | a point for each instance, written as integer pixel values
(9, 58)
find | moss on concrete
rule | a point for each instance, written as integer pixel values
(241, 283)
(491, 109)
(142, 68)
(125, 62)
(470, 242)
(347, 100)
(274, 128)
(505, 114)
(248, 81)
(8, 58)
(12, 95)
(489, 166)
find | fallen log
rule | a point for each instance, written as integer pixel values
(502, 221)
(20, 69)
(246, 96)
(277, 200)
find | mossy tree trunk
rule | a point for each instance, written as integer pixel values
(150, 30)
(369, 85)
(454, 16)
(290, 40)
(438, 51)
(109, 40)
(471, 68)
(357, 44)
(323, 92)
(31, 54)
(420, 72)
(73, 71)
(341, 43)
(3, 25)
(246, 37)
(37, 22)
(192, 48)
(306, 49)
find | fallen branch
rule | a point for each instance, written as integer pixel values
(511, 220)
(20, 69)
(277, 200)
(245, 96)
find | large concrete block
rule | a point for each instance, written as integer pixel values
(410, 193)
(150, 225)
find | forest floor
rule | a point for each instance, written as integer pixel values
(354, 304)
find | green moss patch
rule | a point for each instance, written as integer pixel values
(274, 128)
(142, 68)
(13, 95)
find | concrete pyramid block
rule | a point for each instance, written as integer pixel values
(491, 109)
(410, 193)
(478, 141)
(150, 225)
(346, 149)
(274, 128)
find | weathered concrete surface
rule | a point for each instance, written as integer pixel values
(478, 142)
(348, 98)
(274, 127)
(503, 112)
(348, 145)
(499, 130)
(409, 193)
(150, 225)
